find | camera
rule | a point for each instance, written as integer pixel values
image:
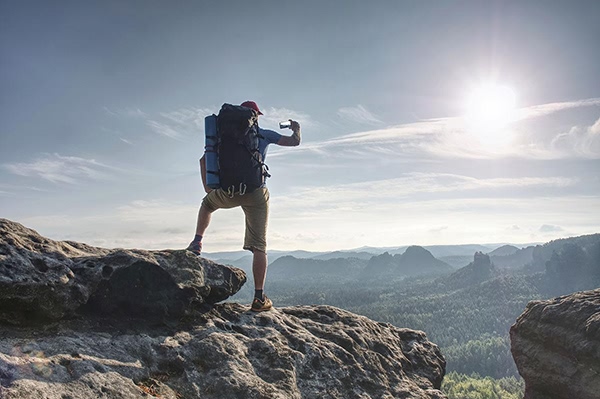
(285, 124)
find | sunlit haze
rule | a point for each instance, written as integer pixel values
(490, 109)
(422, 122)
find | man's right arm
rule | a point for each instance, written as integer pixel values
(294, 139)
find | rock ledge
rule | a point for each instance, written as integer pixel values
(556, 346)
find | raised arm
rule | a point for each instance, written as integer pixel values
(294, 139)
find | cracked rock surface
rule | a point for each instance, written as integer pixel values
(43, 279)
(556, 346)
(79, 322)
(225, 352)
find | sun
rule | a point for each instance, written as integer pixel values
(491, 105)
(490, 109)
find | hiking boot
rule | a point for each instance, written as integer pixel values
(261, 306)
(195, 247)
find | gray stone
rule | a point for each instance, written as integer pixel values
(42, 279)
(78, 322)
(556, 346)
(225, 352)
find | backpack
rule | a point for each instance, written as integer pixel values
(241, 166)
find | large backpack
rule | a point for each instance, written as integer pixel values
(241, 166)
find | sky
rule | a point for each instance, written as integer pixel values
(423, 122)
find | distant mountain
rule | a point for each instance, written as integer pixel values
(457, 261)
(244, 263)
(243, 259)
(476, 272)
(345, 254)
(418, 260)
(414, 261)
(456, 255)
(454, 250)
(543, 253)
(574, 267)
(504, 250)
(518, 259)
(290, 267)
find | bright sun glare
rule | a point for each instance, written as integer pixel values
(489, 110)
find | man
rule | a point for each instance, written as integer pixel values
(256, 210)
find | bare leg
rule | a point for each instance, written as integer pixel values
(204, 217)
(259, 269)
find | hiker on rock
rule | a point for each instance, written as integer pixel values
(241, 147)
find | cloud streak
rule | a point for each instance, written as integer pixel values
(358, 114)
(186, 122)
(133, 112)
(164, 129)
(272, 116)
(412, 184)
(61, 169)
(537, 111)
(453, 138)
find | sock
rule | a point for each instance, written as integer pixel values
(259, 294)
(197, 238)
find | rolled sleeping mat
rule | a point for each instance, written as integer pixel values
(210, 152)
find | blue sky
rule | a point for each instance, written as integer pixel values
(102, 107)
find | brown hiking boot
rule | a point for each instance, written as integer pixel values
(261, 306)
(195, 247)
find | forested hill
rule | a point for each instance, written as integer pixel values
(413, 262)
(478, 271)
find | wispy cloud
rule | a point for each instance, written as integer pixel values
(372, 222)
(19, 190)
(548, 228)
(181, 123)
(188, 122)
(454, 138)
(164, 129)
(410, 186)
(359, 114)
(582, 141)
(61, 169)
(132, 112)
(536, 111)
(190, 119)
(272, 116)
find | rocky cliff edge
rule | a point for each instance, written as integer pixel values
(82, 322)
(556, 346)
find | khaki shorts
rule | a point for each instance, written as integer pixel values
(256, 208)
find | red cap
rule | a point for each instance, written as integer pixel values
(251, 104)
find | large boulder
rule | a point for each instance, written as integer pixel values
(225, 352)
(43, 279)
(78, 322)
(556, 346)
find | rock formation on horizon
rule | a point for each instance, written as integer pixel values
(80, 322)
(556, 346)
(478, 271)
(414, 261)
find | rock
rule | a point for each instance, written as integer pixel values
(414, 261)
(225, 352)
(42, 279)
(79, 322)
(556, 347)
(476, 272)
